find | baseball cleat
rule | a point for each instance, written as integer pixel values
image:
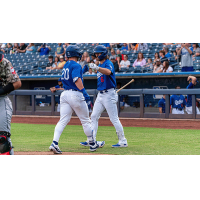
(55, 149)
(120, 145)
(100, 143)
(86, 144)
(94, 146)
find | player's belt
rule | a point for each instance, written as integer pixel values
(73, 90)
(179, 109)
(103, 91)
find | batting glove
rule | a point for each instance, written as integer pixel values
(94, 66)
(86, 95)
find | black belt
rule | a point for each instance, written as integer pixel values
(179, 109)
(103, 91)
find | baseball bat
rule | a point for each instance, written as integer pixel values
(125, 85)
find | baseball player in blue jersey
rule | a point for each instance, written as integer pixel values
(107, 97)
(178, 103)
(161, 105)
(192, 82)
(73, 98)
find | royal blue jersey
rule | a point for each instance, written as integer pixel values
(177, 101)
(105, 82)
(70, 74)
(161, 104)
(189, 96)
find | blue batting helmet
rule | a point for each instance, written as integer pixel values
(73, 51)
(101, 49)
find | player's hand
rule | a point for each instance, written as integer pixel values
(94, 66)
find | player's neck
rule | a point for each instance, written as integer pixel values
(102, 61)
(74, 59)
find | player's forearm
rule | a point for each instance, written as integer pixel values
(104, 71)
(10, 87)
(79, 84)
(17, 85)
(59, 88)
(160, 109)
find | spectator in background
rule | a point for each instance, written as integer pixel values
(161, 104)
(44, 49)
(22, 48)
(56, 62)
(93, 58)
(115, 63)
(65, 46)
(140, 61)
(14, 48)
(107, 45)
(162, 56)
(90, 72)
(30, 48)
(158, 67)
(166, 67)
(142, 46)
(86, 57)
(125, 47)
(50, 63)
(61, 64)
(149, 63)
(119, 54)
(113, 54)
(82, 62)
(196, 50)
(60, 50)
(124, 64)
(156, 57)
(186, 57)
(167, 54)
(131, 46)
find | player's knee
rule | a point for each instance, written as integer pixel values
(94, 117)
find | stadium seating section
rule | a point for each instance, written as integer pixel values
(35, 65)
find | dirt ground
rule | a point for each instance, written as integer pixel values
(126, 122)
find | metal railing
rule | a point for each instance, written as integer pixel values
(93, 92)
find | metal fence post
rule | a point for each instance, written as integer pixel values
(33, 104)
(167, 106)
(14, 104)
(52, 104)
(193, 106)
(141, 105)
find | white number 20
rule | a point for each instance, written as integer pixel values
(66, 73)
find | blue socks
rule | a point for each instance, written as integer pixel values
(56, 143)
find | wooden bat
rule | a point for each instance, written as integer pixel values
(125, 85)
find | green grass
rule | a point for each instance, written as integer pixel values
(141, 141)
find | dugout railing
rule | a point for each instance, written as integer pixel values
(93, 92)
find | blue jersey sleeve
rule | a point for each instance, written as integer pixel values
(85, 69)
(160, 103)
(109, 66)
(57, 86)
(76, 72)
(190, 86)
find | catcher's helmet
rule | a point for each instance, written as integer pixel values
(1, 57)
(73, 51)
(4, 144)
(101, 49)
